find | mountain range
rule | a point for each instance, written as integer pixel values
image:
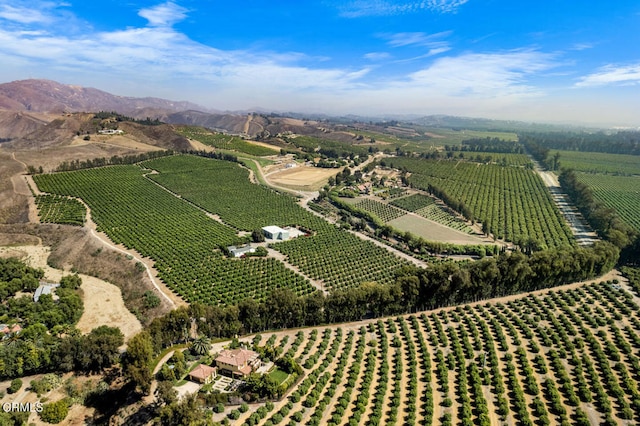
(52, 97)
(35, 109)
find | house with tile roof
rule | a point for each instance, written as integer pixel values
(238, 362)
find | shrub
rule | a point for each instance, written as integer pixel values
(54, 412)
(15, 386)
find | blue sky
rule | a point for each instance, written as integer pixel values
(545, 60)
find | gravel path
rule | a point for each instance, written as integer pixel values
(581, 230)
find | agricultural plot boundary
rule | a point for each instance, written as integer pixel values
(335, 256)
(511, 202)
(621, 193)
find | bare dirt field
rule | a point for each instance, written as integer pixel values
(264, 145)
(434, 231)
(296, 121)
(51, 158)
(433, 135)
(103, 304)
(114, 140)
(301, 177)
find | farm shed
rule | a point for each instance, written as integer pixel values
(275, 233)
(241, 251)
(44, 288)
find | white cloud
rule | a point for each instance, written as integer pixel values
(158, 60)
(22, 14)
(362, 8)
(158, 57)
(165, 14)
(483, 74)
(433, 42)
(417, 39)
(612, 74)
(582, 46)
(377, 56)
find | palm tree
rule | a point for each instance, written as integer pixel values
(201, 346)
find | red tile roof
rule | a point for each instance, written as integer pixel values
(237, 357)
(202, 372)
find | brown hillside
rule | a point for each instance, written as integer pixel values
(62, 130)
(233, 123)
(15, 124)
(58, 132)
(50, 96)
(162, 136)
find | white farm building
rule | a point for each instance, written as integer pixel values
(275, 233)
(241, 251)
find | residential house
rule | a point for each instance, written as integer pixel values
(6, 330)
(238, 362)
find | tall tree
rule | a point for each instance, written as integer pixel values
(136, 361)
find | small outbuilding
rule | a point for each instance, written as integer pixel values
(241, 251)
(273, 232)
(44, 288)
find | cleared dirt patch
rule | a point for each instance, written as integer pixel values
(115, 140)
(307, 178)
(18, 239)
(434, 231)
(264, 145)
(433, 135)
(51, 158)
(103, 305)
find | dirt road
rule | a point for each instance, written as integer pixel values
(581, 230)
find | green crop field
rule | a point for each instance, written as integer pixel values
(427, 138)
(512, 202)
(184, 242)
(226, 142)
(425, 206)
(621, 193)
(57, 209)
(562, 357)
(494, 157)
(383, 211)
(443, 136)
(331, 148)
(413, 202)
(332, 255)
(598, 162)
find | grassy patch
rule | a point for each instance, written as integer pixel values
(227, 142)
(278, 375)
